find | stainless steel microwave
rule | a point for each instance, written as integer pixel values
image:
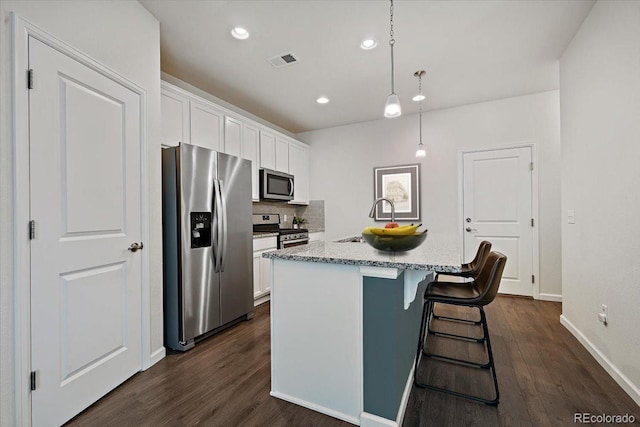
(276, 185)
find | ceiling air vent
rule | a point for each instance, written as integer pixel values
(284, 59)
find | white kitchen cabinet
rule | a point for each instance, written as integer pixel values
(250, 151)
(192, 119)
(267, 150)
(175, 118)
(282, 155)
(232, 136)
(316, 236)
(299, 168)
(206, 125)
(262, 268)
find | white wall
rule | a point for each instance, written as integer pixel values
(125, 37)
(600, 115)
(342, 161)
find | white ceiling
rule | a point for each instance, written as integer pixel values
(473, 51)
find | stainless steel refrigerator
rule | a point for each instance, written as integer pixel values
(207, 242)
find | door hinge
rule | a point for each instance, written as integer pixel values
(530, 166)
(33, 380)
(533, 279)
(32, 229)
(532, 222)
(30, 78)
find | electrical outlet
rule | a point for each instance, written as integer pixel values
(285, 218)
(603, 316)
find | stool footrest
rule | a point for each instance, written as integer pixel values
(485, 365)
(457, 319)
(456, 336)
(490, 402)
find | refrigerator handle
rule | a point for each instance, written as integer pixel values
(291, 184)
(217, 247)
(223, 202)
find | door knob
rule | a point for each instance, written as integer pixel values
(469, 229)
(135, 246)
(468, 219)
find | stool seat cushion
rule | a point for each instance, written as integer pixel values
(456, 291)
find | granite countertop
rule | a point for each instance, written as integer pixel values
(437, 253)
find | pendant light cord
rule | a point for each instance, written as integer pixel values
(420, 93)
(392, 41)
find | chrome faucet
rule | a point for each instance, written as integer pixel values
(378, 200)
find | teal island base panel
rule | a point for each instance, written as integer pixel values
(390, 336)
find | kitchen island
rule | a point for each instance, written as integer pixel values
(344, 323)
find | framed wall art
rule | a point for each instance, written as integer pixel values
(400, 184)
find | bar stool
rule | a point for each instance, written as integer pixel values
(469, 270)
(472, 268)
(478, 293)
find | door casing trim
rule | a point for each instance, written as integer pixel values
(21, 30)
(534, 203)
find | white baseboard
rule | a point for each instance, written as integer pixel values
(405, 396)
(622, 380)
(335, 414)
(550, 297)
(261, 300)
(370, 420)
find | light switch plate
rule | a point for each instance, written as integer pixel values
(571, 216)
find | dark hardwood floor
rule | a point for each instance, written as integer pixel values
(544, 374)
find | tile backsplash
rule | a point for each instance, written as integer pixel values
(313, 213)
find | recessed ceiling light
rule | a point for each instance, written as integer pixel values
(322, 100)
(368, 44)
(240, 33)
(418, 98)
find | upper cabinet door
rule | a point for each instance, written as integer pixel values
(282, 155)
(206, 126)
(250, 143)
(175, 119)
(267, 150)
(299, 168)
(232, 136)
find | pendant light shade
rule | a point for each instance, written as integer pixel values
(392, 106)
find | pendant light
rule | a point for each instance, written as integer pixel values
(392, 106)
(420, 152)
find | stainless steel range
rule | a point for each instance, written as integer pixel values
(287, 237)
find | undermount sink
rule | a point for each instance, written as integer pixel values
(354, 239)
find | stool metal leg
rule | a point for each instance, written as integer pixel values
(427, 314)
(490, 351)
(421, 336)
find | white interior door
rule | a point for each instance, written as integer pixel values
(85, 200)
(498, 208)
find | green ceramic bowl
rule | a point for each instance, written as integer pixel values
(395, 243)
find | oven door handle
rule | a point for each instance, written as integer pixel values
(297, 242)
